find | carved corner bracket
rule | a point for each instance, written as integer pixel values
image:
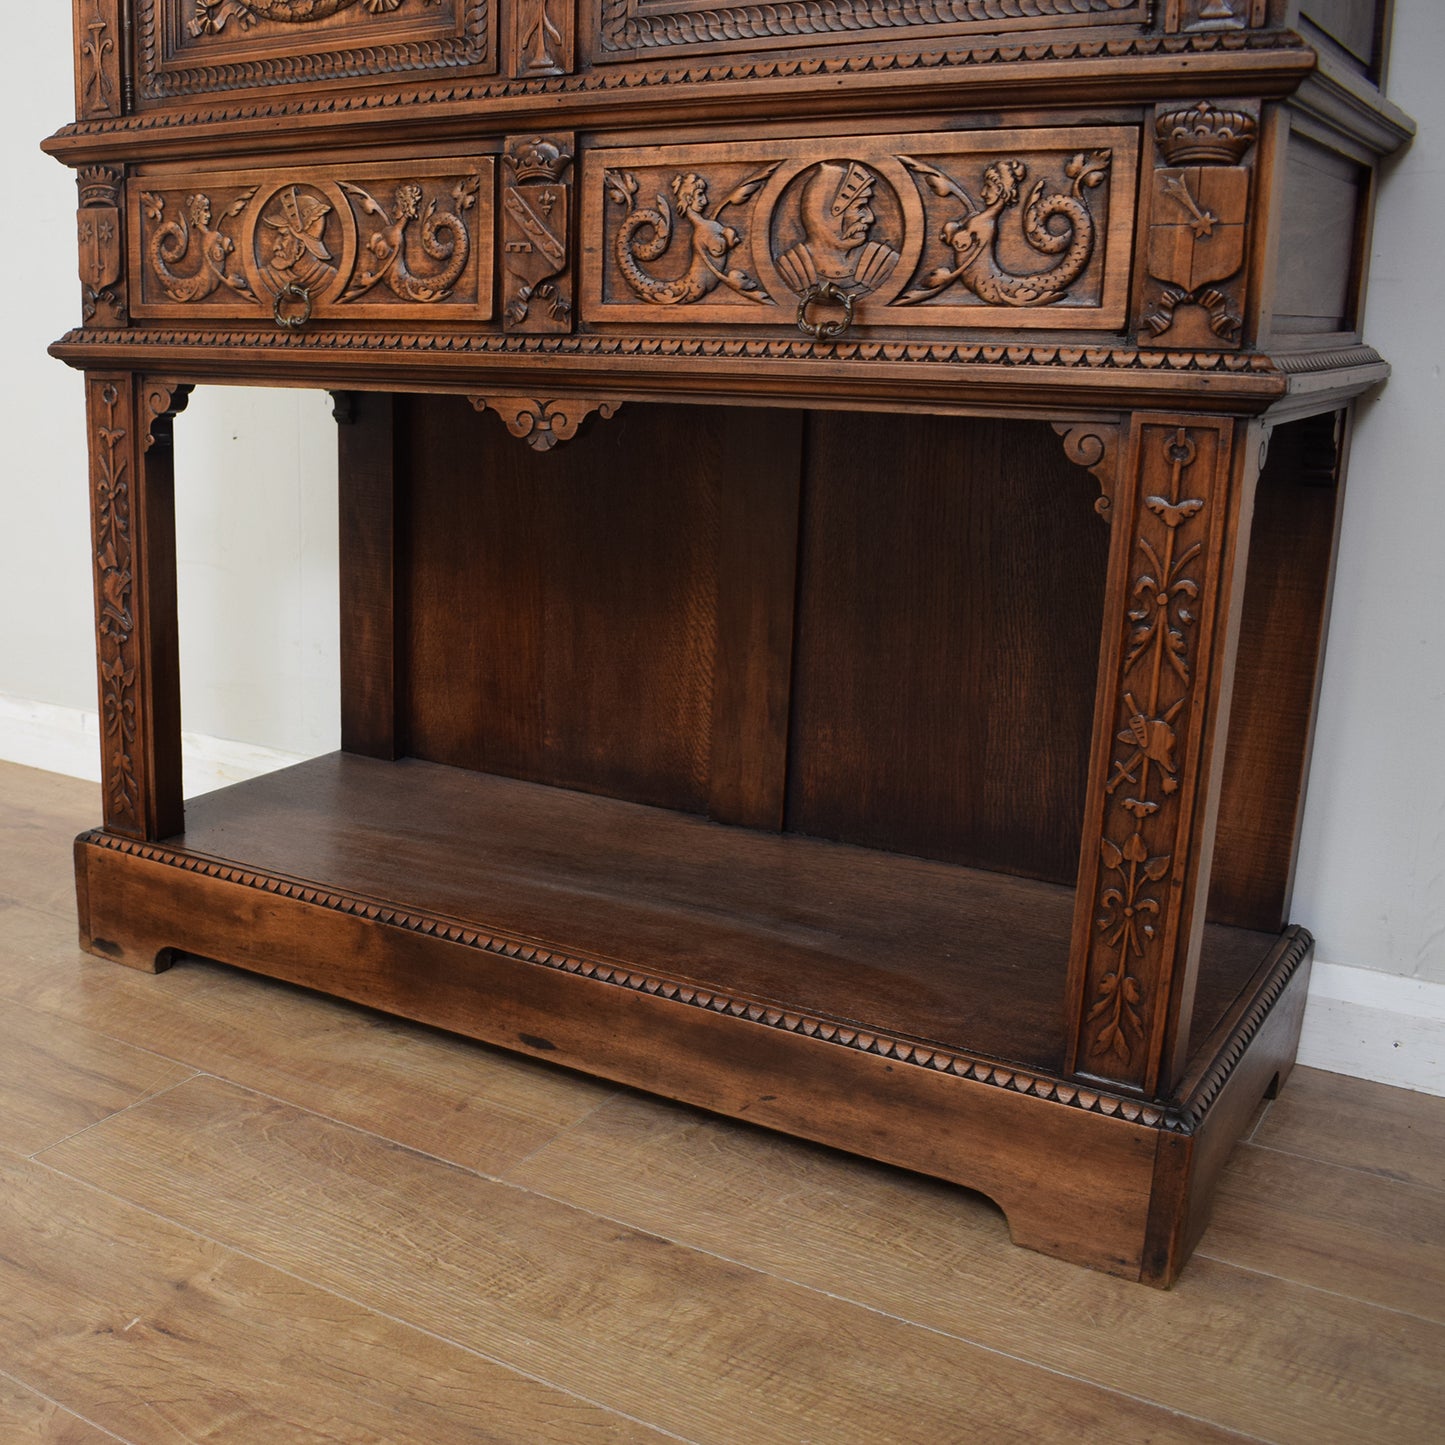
(1094, 445)
(162, 401)
(542, 423)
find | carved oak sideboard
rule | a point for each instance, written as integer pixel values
(837, 511)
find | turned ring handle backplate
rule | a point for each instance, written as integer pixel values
(286, 318)
(825, 330)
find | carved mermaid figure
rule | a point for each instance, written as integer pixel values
(711, 242)
(170, 243)
(444, 238)
(974, 239)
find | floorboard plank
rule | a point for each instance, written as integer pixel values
(1264, 1356)
(57, 1077)
(32, 1419)
(1342, 1230)
(167, 1338)
(709, 1349)
(1360, 1125)
(462, 1101)
(40, 814)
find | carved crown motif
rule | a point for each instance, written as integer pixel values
(538, 160)
(99, 185)
(1205, 135)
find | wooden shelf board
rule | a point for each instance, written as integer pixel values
(957, 957)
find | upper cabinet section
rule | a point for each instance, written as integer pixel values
(136, 53)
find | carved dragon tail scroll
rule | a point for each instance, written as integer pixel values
(445, 238)
(1076, 241)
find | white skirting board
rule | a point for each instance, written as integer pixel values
(1358, 1021)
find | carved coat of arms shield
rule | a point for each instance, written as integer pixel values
(99, 235)
(533, 245)
(1197, 233)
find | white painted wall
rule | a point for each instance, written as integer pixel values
(258, 657)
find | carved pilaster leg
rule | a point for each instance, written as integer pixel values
(1181, 523)
(132, 496)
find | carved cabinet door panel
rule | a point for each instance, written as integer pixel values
(188, 48)
(1008, 228)
(402, 241)
(658, 29)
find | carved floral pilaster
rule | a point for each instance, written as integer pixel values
(133, 546)
(1138, 872)
(542, 423)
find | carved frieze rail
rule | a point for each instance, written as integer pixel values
(1024, 229)
(393, 240)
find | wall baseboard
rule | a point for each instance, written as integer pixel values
(1371, 1025)
(67, 740)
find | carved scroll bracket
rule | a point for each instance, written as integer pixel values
(542, 423)
(162, 401)
(1094, 445)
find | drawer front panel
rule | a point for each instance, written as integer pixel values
(399, 241)
(1020, 228)
(629, 29)
(195, 47)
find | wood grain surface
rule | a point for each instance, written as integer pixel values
(618, 1315)
(729, 1283)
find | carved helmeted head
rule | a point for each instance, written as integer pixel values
(299, 221)
(835, 209)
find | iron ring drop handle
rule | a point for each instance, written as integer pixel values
(825, 330)
(287, 319)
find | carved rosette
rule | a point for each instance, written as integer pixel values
(403, 241)
(1129, 928)
(1198, 230)
(101, 246)
(536, 204)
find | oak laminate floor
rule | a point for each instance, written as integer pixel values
(234, 1211)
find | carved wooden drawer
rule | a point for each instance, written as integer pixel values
(988, 228)
(380, 240)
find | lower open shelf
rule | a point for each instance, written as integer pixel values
(905, 1009)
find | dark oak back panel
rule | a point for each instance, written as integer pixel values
(614, 615)
(950, 604)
